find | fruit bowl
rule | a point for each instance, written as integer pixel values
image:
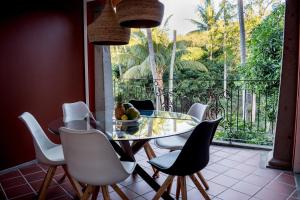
(128, 120)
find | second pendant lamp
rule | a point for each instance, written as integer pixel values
(106, 30)
(140, 13)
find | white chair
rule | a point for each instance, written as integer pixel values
(46, 153)
(76, 111)
(198, 111)
(92, 160)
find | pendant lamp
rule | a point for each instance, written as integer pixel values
(140, 13)
(106, 30)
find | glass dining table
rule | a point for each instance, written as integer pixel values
(129, 136)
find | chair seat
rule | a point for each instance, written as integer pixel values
(55, 155)
(172, 143)
(164, 161)
(128, 166)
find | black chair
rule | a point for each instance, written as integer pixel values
(142, 104)
(193, 157)
(146, 107)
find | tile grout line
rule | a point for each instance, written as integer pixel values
(3, 191)
(27, 182)
(291, 194)
(58, 184)
(264, 186)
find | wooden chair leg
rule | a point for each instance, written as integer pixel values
(77, 187)
(87, 193)
(119, 192)
(150, 154)
(95, 193)
(163, 187)
(200, 188)
(151, 150)
(183, 188)
(202, 179)
(156, 173)
(178, 187)
(47, 180)
(169, 187)
(105, 192)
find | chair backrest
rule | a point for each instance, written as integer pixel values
(40, 140)
(142, 104)
(194, 155)
(198, 111)
(90, 157)
(76, 111)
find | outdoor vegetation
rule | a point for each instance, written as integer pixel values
(231, 61)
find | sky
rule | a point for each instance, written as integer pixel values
(182, 11)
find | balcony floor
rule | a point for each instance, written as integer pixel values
(232, 174)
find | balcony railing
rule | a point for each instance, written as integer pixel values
(249, 107)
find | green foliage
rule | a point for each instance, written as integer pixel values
(135, 62)
(202, 55)
(265, 48)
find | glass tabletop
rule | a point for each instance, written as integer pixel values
(150, 125)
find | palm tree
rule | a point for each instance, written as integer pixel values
(242, 31)
(140, 62)
(208, 19)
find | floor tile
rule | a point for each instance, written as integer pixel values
(237, 158)
(30, 196)
(140, 188)
(131, 179)
(228, 163)
(224, 180)
(245, 168)
(37, 184)
(9, 175)
(285, 178)
(55, 191)
(268, 173)
(149, 195)
(140, 198)
(194, 194)
(246, 188)
(217, 168)
(256, 180)
(231, 150)
(215, 158)
(281, 187)
(30, 169)
(208, 174)
(130, 194)
(215, 189)
(233, 195)
(18, 191)
(221, 154)
(296, 194)
(266, 194)
(237, 174)
(63, 197)
(12, 182)
(35, 176)
(232, 173)
(247, 153)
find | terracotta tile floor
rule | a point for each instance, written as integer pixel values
(232, 174)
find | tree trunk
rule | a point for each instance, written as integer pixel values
(242, 49)
(224, 48)
(157, 81)
(171, 75)
(242, 31)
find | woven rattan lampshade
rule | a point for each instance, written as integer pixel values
(106, 30)
(140, 13)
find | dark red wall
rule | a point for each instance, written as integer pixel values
(41, 67)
